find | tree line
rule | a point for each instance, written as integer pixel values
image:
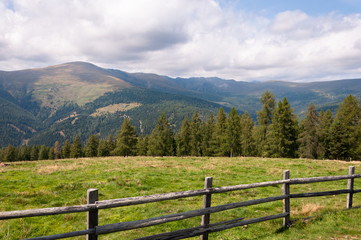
(276, 133)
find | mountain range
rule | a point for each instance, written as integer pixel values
(44, 105)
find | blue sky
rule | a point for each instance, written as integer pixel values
(245, 40)
(311, 7)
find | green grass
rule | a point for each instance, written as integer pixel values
(40, 184)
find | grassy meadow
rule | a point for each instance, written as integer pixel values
(41, 184)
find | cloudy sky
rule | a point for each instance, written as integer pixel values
(248, 40)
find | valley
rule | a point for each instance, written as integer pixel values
(37, 104)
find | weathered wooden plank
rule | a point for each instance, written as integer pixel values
(318, 194)
(120, 202)
(357, 191)
(286, 201)
(350, 185)
(160, 197)
(206, 204)
(115, 227)
(322, 179)
(227, 222)
(64, 235)
(196, 231)
(46, 211)
(92, 215)
(176, 195)
(185, 232)
(245, 222)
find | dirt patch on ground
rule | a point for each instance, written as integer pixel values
(308, 209)
(49, 169)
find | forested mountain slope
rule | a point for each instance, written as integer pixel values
(41, 106)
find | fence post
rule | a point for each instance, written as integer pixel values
(350, 184)
(92, 216)
(286, 202)
(206, 204)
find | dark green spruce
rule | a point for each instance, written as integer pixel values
(126, 140)
(277, 133)
(309, 136)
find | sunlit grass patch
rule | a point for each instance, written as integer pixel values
(40, 184)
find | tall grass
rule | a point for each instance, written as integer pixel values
(40, 184)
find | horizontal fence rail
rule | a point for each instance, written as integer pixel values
(180, 216)
(93, 205)
(121, 202)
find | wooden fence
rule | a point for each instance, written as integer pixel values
(93, 205)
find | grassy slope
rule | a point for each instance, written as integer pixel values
(27, 185)
(55, 85)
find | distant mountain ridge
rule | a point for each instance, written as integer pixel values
(40, 106)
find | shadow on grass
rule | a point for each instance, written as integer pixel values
(299, 224)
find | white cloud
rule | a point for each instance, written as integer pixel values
(179, 38)
(288, 21)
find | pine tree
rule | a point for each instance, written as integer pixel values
(345, 134)
(21, 153)
(110, 145)
(34, 153)
(184, 139)
(324, 134)
(282, 135)
(102, 149)
(219, 138)
(233, 134)
(207, 130)
(76, 148)
(2, 150)
(161, 141)
(24, 153)
(57, 150)
(10, 154)
(43, 153)
(91, 147)
(309, 137)
(65, 151)
(106, 147)
(247, 140)
(51, 154)
(195, 137)
(264, 118)
(126, 140)
(142, 145)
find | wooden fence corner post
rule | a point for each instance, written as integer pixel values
(286, 202)
(92, 216)
(350, 184)
(206, 204)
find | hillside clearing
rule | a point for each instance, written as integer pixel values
(121, 107)
(41, 184)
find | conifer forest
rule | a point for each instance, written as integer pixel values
(277, 132)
